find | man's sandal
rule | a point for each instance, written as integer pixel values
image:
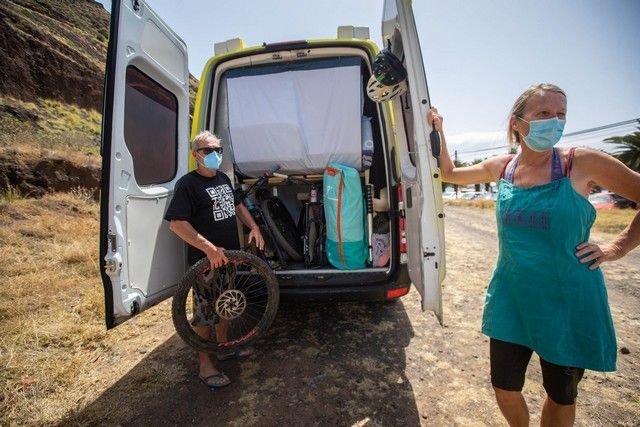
(218, 380)
(242, 352)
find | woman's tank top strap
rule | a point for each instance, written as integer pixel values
(556, 165)
(572, 150)
(509, 170)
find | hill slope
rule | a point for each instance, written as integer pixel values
(51, 82)
(53, 49)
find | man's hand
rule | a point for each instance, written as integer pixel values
(256, 236)
(216, 256)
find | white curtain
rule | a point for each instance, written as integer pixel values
(298, 119)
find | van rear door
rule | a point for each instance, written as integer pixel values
(422, 191)
(144, 151)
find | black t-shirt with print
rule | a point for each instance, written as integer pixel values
(209, 205)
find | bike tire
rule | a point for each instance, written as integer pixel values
(255, 281)
(313, 235)
(283, 227)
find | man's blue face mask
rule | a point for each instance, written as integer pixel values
(212, 161)
(543, 134)
(212, 157)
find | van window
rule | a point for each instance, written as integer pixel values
(150, 128)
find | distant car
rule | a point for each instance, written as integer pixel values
(476, 195)
(449, 195)
(607, 200)
(621, 202)
(470, 195)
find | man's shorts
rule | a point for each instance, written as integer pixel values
(509, 364)
(203, 306)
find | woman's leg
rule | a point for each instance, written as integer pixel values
(561, 385)
(513, 407)
(508, 367)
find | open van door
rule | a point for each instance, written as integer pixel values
(422, 191)
(144, 152)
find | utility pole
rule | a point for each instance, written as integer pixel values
(455, 161)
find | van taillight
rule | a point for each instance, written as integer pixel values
(403, 233)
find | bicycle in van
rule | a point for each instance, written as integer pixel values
(296, 105)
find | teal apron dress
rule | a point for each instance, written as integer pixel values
(540, 295)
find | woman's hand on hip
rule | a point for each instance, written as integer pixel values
(596, 254)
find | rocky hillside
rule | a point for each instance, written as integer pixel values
(53, 49)
(52, 66)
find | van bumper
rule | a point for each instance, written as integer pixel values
(323, 292)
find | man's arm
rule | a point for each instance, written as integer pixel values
(186, 232)
(246, 218)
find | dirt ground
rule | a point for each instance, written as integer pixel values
(360, 364)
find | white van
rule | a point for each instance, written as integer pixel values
(296, 105)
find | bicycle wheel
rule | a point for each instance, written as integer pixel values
(241, 298)
(284, 228)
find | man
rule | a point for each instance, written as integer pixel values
(203, 213)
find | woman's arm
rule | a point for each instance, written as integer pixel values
(610, 173)
(486, 171)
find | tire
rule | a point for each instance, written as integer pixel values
(312, 243)
(243, 293)
(283, 227)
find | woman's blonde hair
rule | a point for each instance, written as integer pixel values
(519, 106)
(203, 136)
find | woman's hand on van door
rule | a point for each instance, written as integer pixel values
(434, 119)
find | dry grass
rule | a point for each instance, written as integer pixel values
(55, 353)
(57, 126)
(50, 300)
(614, 220)
(607, 221)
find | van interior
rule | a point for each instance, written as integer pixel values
(299, 115)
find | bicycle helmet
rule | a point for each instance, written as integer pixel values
(388, 78)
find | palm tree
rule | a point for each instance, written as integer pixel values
(628, 151)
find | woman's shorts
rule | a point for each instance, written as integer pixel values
(509, 364)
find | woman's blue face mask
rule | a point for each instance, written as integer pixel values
(543, 134)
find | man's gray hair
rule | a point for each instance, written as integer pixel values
(203, 136)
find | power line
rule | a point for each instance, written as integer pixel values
(612, 125)
(580, 132)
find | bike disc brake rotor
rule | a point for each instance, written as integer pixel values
(230, 304)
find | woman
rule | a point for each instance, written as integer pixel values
(547, 292)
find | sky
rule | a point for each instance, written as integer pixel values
(479, 55)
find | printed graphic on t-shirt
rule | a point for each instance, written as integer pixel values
(223, 203)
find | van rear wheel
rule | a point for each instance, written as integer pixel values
(240, 298)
